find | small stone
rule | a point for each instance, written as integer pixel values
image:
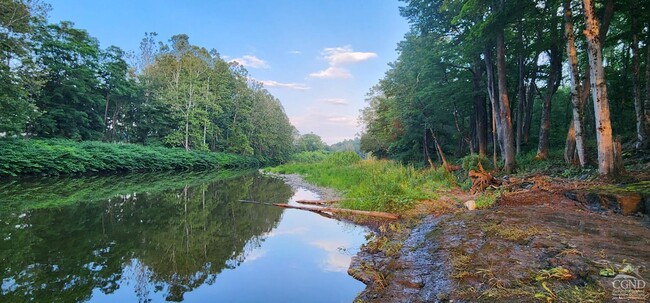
(471, 204)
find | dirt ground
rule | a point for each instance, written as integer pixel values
(535, 245)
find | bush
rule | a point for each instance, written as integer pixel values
(470, 162)
(57, 157)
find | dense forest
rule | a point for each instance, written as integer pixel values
(518, 73)
(56, 82)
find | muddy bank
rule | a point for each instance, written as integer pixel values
(534, 246)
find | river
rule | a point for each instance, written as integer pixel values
(180, 237)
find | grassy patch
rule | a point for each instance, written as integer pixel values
(372, 184)
(487, 199)
(511, 233)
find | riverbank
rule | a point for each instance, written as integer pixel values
(533, 246)
(36, 157)
(536, 239)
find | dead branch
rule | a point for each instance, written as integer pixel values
(377, 214)
(318, 202)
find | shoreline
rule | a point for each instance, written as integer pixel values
(532, 245)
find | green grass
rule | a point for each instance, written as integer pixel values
(371, 184)
(20, 157)
(487, 199)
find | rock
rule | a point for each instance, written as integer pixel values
(471, 204)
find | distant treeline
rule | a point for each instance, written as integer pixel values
(56, 82)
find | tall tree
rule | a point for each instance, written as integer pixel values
(71, 100)
(19, 20)
(606, 157)
(504, 100)
(552, 84)
(577, 93)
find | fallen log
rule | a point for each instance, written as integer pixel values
(318, 202)
(377, 214)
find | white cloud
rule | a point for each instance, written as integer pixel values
(347, 120)
(272, 83)
(332, 124)
(336, 261)
(332, 72)
(335, 101)
(295, 52)
(251, 61)
(337, 58)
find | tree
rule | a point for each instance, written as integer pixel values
(606, 157)
(18, 21)
(71, 102)
(504, 100)
(309, 142)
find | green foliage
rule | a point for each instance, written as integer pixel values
(309, 156)
(487, 199)
(470, 162)
(57, 156)
(309, 142)
(371, 184)
(347, 145)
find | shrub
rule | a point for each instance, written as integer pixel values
(57, 156)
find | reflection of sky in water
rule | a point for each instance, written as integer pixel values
(302, 260)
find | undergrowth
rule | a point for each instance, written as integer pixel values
(372, 184)
(58, 157)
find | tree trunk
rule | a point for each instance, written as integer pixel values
(551, 88)
(497, 136)
(521, 89)
(108, 98)
(479, 105)
(577, 96)
(641, 136)
(530, 101)
(577, 144)
(646, 104)
(606, 159)
(504, 104)
(570, 145)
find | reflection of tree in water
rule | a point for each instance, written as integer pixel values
(171, 241)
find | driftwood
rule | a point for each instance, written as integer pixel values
(377, 214)
(320, 210)
(481, 179)
(318, 202)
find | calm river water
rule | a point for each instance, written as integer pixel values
(170, 237)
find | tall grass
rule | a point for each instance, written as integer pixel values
(57, 157)
(371, 184)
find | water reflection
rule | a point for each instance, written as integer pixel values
(170, 241)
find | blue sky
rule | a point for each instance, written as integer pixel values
(319, 58)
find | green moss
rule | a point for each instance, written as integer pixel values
(642, 188)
